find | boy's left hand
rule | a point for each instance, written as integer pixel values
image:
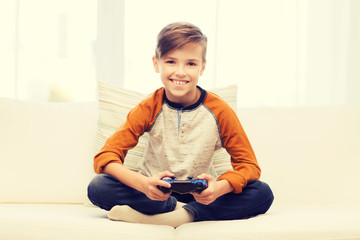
(214, 190)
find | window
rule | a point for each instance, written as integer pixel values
(49, 50)
(279, 53)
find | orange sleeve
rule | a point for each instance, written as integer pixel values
(236, 143)
(139, 119)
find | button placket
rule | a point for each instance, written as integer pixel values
(183, 126)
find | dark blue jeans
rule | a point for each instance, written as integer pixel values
(106, 191)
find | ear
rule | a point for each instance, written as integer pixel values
(156, 64)
(202, 68)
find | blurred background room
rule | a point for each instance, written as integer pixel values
(280, 53)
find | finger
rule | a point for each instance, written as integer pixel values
(164, 196)
(199, 195)
(169, 174)
(163, 184)
(201, 176)
(206, 202)
(206, 177)
(203, 201)
(159, 195)
(195, 194)
(165, 174)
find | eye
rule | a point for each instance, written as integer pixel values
(170, 62)
(192, 64)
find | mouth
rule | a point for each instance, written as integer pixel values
(179, 82)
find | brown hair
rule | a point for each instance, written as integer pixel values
(177, 35)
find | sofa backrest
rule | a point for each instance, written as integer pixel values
(46, 151)
(307, 154)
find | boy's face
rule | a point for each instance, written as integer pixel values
(180, 70)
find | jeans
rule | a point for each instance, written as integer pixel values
(256, 198)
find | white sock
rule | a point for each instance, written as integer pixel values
(179, 205)
(175, 218)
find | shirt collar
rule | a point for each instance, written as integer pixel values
(193, 106)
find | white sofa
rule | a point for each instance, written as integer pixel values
(309, 156)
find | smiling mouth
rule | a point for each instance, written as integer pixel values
(179, 82)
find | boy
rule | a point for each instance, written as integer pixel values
(186, 125)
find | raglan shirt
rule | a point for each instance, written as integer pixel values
(183, 140)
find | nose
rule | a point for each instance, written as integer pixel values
(180, 71)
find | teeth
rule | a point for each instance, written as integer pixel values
(179, 82)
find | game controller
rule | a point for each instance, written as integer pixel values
(184, 186)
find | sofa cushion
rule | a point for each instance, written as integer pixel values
(115, 103)
(46, 150)
(283, 222)
(307, 155)
(71, 222)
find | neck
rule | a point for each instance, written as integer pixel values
(179, 103)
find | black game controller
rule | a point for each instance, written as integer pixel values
(184, 186)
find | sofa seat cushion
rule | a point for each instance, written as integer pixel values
(283, 222)
(71, 222)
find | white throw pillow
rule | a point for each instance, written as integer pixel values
(46, 151)
(116, 102)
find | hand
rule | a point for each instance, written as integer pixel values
(151, 190)
(214, 190)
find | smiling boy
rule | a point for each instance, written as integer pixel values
(186, 125)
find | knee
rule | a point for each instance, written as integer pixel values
(98, 186)
(97, 182)
(263, 188)
(263, 194)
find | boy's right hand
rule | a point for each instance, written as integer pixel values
(150, 187)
